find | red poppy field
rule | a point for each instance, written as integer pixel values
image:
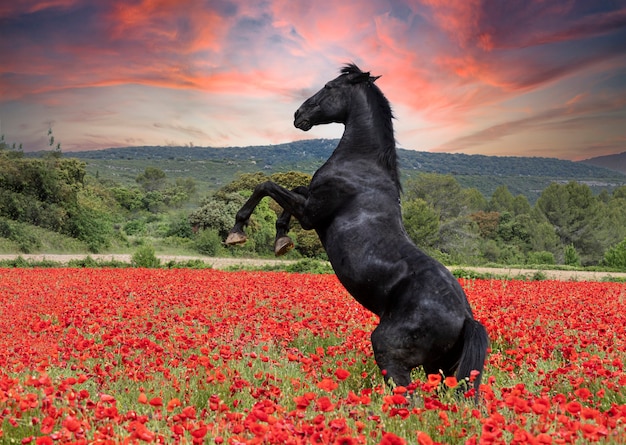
(205, 356)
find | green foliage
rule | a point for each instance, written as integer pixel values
(90, 226)
(541, 258)
(24, 263)
(502, 200)
(421, 222)
(442, 192)
(129, 198)
(291, 179)
(573, 211)
(152, 179)
(135, 227)
(454, 224)
(457, 236)
(145, 257)
(217, 212)
(615, 257)
(308, 265)
(469, 274)
(539, 276)
(571, 256)
(244, 182)
(26, 240)
(180, 227)
(208, 242)
(307, 242)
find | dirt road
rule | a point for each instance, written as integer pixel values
(216, 263)
(223, 263)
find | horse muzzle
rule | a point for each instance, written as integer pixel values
(301, 122)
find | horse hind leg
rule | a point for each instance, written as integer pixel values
(390, 356)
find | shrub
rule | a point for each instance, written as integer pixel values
(208, 242)
(145, 257)
(616, 256)
(541, 258)
(25, 238)
(308, 265)
(135, 227)
(571, 256)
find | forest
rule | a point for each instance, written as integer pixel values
(52, 203)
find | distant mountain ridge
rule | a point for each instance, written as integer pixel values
(612, 162)
(318, 150)
(215, 166)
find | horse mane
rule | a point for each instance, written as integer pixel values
(388, 156)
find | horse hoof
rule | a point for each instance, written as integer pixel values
(236, 238)
(283, 245)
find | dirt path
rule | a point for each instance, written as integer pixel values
(216, 263)
(223, 263)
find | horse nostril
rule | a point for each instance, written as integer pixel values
(296, 114)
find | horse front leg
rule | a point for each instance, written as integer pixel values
(292, 202)
(283, 243)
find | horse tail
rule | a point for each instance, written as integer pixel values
(475, 344)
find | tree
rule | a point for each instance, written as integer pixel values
(217, 212)
(187, 184)
(442, 192)
(458, 235)
(56, 152)
(152, 179)
(487, 223)
(245, 181)
(521, 206)
(571, 256)
(502, 200)
(458, 238)
(291, 179)
(421, 222)
(616, 256)
(129, 198)
(543, 237)
(573, 211)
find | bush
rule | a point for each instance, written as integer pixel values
(615, 257)
(180, 227)
(145, 257)
(209, 242)
(308, 265)
(571, 256)
(189, 264)
(135, 227)
(22, 235)
(541, 258)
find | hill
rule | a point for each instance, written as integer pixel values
(213, 167)
(612, 162)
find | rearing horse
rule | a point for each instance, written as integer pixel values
(353, 203)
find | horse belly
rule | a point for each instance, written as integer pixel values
(366, 272)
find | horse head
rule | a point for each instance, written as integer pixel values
(332, 103)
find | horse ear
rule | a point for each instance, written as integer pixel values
(359, 77)
(374, 78)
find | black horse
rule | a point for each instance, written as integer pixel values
(353, 203)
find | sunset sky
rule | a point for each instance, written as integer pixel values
(515, 77)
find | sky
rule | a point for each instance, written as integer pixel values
(493, 77)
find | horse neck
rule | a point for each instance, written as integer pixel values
(369, 133)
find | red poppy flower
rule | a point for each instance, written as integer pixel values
(424, 439)
(341, 374)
